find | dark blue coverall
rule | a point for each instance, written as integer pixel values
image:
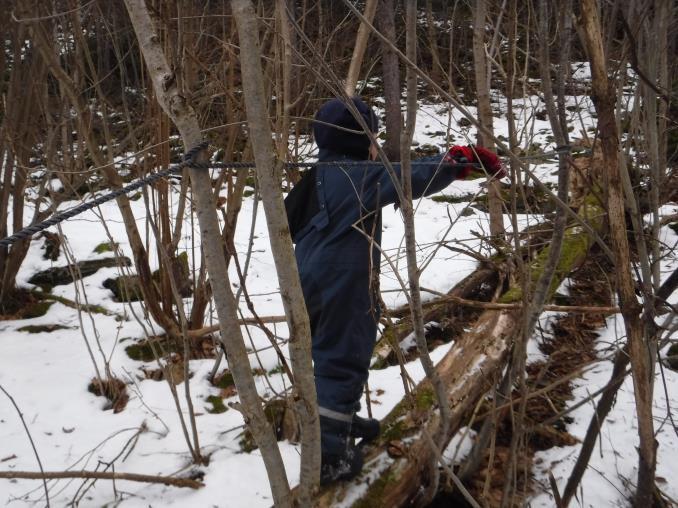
(338, 263)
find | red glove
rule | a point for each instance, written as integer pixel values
(460, 155)
(478, 155)
(490, 162)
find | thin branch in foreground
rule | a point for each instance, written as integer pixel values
(100, 475)
(30, 438)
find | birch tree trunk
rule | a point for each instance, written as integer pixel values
(269, 175)
(184, 117)
(604, 101)
(359, 48)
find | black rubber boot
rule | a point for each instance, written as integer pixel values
(366, 429)
(341, 459)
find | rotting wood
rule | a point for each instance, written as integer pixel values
(470, 369)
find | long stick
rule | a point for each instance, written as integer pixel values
(100, 475)
(30, 438)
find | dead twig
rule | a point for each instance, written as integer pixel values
(30, 438)
(246, 321)
(100, 475)
(585, 309)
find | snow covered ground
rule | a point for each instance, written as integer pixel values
(47, 373)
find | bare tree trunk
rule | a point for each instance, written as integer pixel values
(391, 80)
(411, 248)
(185, 119)
(543, 287)
(604, 100)
(283, 9)
(437, 71)
(269, 176)
(359, 48)
(482, 75)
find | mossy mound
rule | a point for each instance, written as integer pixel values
(223, 380)
(127, 288)
(218, 405)
(43, 328)
(113, 389)
(464, 198)
(530, 200)
(106, 247)
(161, 346)
(22, 304)
(148, 350)
(60, 275)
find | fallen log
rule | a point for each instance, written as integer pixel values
(396, 465)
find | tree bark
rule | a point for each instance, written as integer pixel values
(482, 75)
(391, 80)
(604, 101)
(411, 250)
(359, 48)
(468, 371)
(269, 176)
(183, 116)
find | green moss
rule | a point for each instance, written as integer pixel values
(576, 243)
(424, 398)
(224, 380)
(393, 431)
(94, 309)
(143, 351)
(140, 352)
(105, 247)
(36, 309)
(513, 295)
(453, 199)
(375, 493)
(218, 405)
(277, 370)
(43, 328)
(387, 341)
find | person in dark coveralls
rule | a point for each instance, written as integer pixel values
(334, 214)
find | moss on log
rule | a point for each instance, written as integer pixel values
(469, 370)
